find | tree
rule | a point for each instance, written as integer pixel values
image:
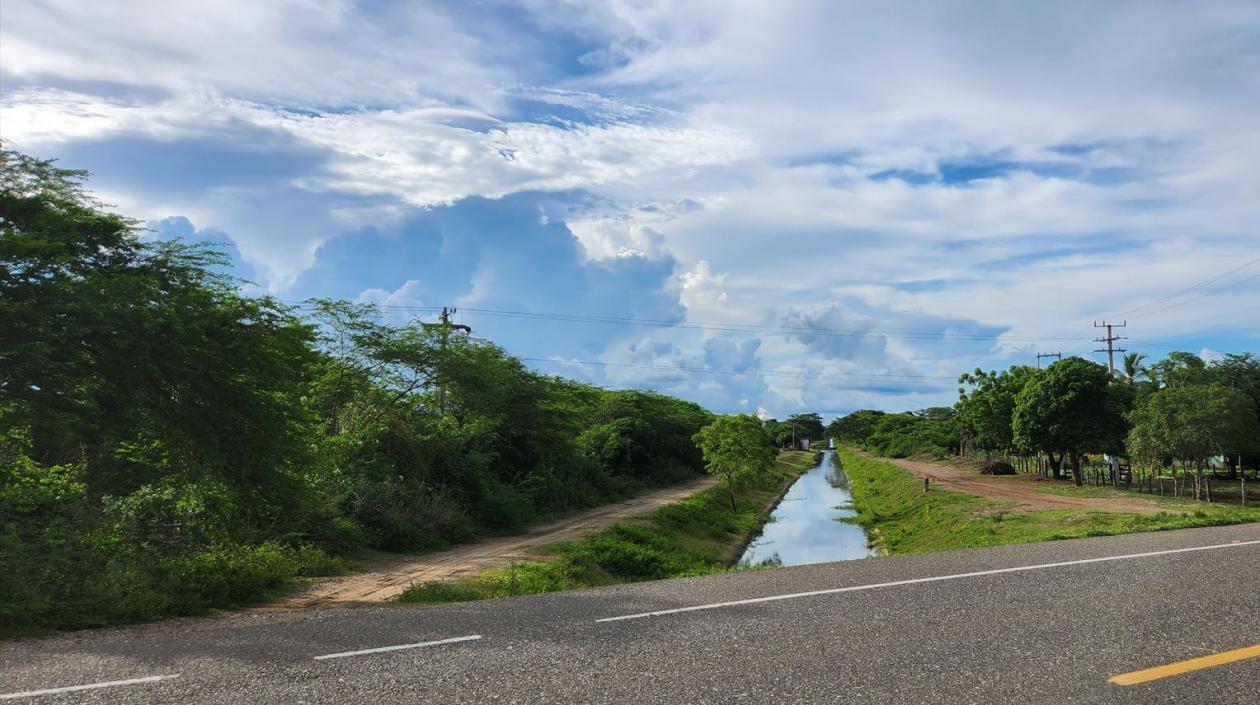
(1193, 424)
(855, 427)
(808, 426)
(988, 407)
(1241, 372)
(735, 448)
(1179, 369)
(1069, 411)
(1132, 369)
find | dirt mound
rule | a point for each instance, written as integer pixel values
(996, 467)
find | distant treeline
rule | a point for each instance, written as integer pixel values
(169, 445)
(1180, 412)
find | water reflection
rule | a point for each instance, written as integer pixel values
(803, 528)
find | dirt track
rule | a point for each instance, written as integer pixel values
(387, 580)
(1020, 489)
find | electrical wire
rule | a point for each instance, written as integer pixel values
(1204, 295)
(799, 374)
(727, 326)
(1189, 289)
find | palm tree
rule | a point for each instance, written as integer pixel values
(1133, 368)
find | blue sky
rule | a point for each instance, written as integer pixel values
(941, 186)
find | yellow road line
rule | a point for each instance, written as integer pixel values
(1194, 664)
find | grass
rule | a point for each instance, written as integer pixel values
(1088, 491)
(892, 506)
(696, 536)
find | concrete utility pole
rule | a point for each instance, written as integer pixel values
(1110, 340)
(444, 322)
(1055, 355)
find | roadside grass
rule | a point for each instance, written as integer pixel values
(695, 536)
(1070, 490)
(892, 506)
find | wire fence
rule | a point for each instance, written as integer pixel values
(1234, 483)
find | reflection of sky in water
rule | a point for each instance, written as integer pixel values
(804, 529)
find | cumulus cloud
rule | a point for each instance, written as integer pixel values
(992, 180)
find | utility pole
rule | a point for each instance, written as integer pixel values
(1055, 355)
(1110, 340)
(444, 323)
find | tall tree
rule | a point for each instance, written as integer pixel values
(1069, 411)
(1193, 424)
(1179, 369)
(808, 425)
(987, 404)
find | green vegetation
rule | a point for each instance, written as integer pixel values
(737, 450)
(1069, 410)
(796, 428)
(933, 431)
(696, 536)
(1179, 416)
(893, 507)
(1194, 423)
(168, 445)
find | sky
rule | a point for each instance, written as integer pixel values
(772, 207)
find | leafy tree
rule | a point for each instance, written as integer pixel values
(168, 445)
(1193, 424)
(855, 427)
(1241, 372)
(808, 425)
(138, 358)
(1132, 370)
(987, 408)
(1179, 369)
(735, 448)
(1068, 411)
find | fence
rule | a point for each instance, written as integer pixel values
(1241, 484)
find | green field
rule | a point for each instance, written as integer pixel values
(901, 518)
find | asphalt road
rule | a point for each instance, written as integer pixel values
(1015, 624)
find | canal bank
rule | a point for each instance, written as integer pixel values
(695, 536)
(811, 522)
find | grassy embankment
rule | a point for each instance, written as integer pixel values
(891, 505)
(697, 536)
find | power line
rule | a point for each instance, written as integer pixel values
(803, 374)
(1201, 296)
(1189, 289)
(726, 326)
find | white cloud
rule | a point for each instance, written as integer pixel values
(750, 144)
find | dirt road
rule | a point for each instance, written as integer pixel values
(1020, 489)
(388, 580)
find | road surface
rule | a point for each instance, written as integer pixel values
(385, 581)
(1039, 623)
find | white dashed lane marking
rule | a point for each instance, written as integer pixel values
(398, 647)
(89, 686)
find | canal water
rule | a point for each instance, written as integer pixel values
(804, 528)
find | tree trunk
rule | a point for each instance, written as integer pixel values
(1076, 469)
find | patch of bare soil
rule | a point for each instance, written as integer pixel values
(1019, 489)
(388, 580)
